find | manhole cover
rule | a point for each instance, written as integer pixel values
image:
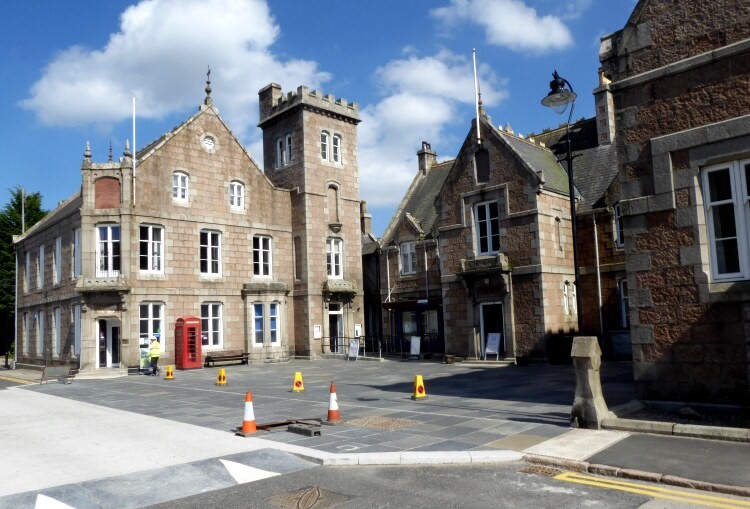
(541, 470)
(308, 498)
(389, 423)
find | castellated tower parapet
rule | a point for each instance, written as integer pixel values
(274, 103)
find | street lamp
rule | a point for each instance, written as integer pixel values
(558, 99)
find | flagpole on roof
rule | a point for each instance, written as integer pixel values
(476, 93)
(135, 153)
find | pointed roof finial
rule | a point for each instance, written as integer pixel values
(110, 151)
(208, 101)
(127, 148)
(87, 152)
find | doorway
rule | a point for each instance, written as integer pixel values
(109, 343)
(491, 322)
(336, 327)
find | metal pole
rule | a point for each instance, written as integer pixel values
(573, 221)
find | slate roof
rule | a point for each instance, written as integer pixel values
(64, 209)
(418, 204)
(537, 159)
(594, 166)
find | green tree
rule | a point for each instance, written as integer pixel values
(10, 225)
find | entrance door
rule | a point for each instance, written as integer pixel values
(336, 327)
(491, 315)
(109, 343)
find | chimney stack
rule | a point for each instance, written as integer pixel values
(427, 158)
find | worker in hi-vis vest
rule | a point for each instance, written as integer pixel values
(154, 351)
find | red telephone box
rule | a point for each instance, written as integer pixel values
(187, 343)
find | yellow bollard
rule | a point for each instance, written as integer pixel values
(419, 391)
(222, 378)
(298, 385)
(170, 373)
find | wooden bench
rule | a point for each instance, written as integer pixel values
(228, 356)
(59, 373)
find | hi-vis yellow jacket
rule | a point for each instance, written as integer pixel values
(154, 350)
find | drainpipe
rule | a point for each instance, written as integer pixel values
(15, 319)
(598, 277)
(426, 279)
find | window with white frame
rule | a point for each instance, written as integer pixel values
(211, 324)
(569, 298)
(27, 272)
(75, 319)
(279, 152)
(210, 252)
(408, 257)
(487, 228)
(236, 195)
(324, 142)
(336, 148)
(40, 267)
(40, 346)
(151, 321)
(57, 261)
(180, 183)
(26, 336)
(56, 331)
(619, 228)
(258, 323)
(622, 286)
(75, 260)
(108, 250)
(262, 256)
(273, 322)
(334, 255)
(150, 244)
(565, 299)
(288, 149)
(726, 191)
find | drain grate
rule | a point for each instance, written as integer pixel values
(312, 497)
(541, 470)
(389, 423)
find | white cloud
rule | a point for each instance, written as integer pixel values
(160, 55)
(421, 96)
(510, 23)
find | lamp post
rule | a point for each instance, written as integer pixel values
(558, 99)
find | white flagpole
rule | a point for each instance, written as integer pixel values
(135, 152)
(476, 93)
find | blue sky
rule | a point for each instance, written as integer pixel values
(71, 69)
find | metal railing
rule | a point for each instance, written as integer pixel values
(389, 346)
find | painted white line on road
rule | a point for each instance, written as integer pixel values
(243, 473)
(45, 502)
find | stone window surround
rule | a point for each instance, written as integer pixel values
(211, 305)
(408, 248)
(262, 256)
(236, 195)
(183, 177)
(151, 243)
(326, 148)
(211, 233)
(706, 145)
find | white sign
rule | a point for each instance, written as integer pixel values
(353, 349)
(317, 332)
(415, 346)
(493, 345)
(357, 330)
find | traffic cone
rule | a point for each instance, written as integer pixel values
(298, 385)
(170, 373)
(334, 416)
(222, 378)
(419, 390)
(248, 420)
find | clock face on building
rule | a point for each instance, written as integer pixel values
(208, 143)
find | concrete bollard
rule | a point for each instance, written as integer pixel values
(589, 407)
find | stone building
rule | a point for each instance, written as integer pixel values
(679, 74)
(481, 246)
(270, 261)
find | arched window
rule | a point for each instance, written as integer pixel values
(333, 204)
(180, 183)
(324, 141)
(336, 148)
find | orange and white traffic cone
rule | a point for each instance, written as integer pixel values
(222, 378)
(298, 385)
(170, 373)
(248, 420)
(419, 391)
(334, 415)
